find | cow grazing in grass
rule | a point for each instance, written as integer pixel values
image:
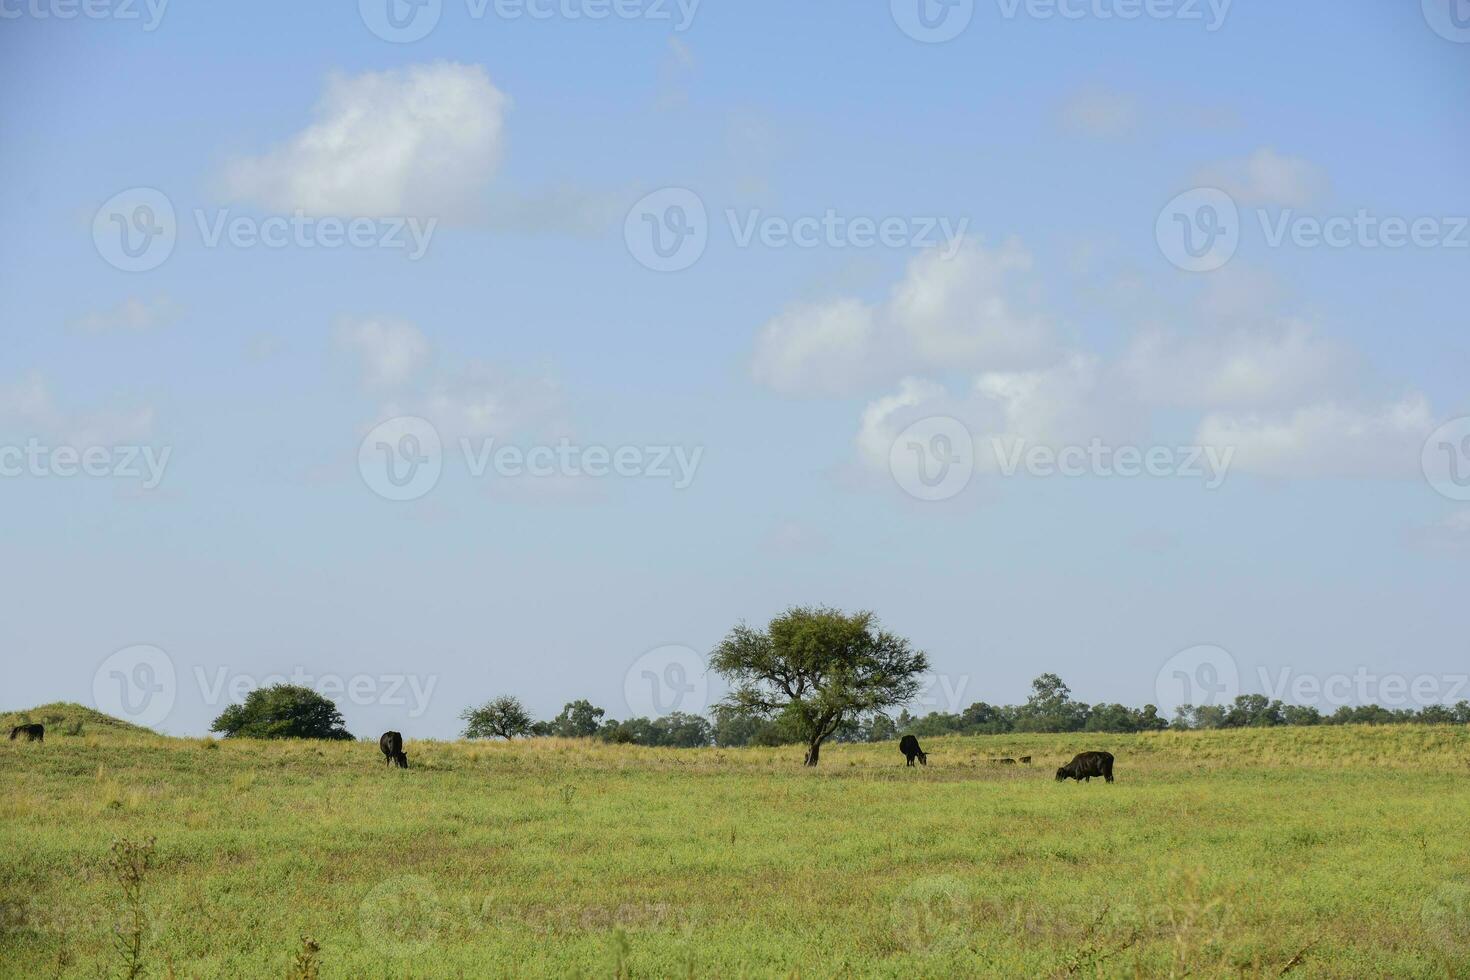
(1004, 762)
(33, 733)
(909, 746)
(392, 745)
(1085, 765)
(1025, 760)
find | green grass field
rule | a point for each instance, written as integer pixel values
(1317, 852)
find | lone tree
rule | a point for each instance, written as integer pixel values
(819, 665)
(504, 717)
(282, 711)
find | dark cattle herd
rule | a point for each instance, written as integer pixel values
(1082, 768)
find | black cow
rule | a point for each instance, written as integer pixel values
(1085, 765)
(909, 746)
(392, 745)
(33, 733)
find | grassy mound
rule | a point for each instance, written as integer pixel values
(68, 719)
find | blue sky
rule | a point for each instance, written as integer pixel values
(1057, 320)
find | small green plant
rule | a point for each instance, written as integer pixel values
(305, 966)
(129, 864)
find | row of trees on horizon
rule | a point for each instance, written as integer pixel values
(814, 675)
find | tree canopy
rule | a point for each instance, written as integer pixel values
(282, 711)
(821, 665)
(502, 717)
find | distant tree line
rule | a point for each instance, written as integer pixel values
(813, 675)
(1050, 708)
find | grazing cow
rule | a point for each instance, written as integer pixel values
(1085, 765)
(1025, 760)
(1004, 762)
(909, 746)
(392, 745)
(33, 733)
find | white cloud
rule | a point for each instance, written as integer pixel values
(484, 401)
(1065, 404)
(422, 140)
(1327, 439)
(134, 313)
(1100, 113)
(884, 418)
(1278, 365)
(28, 408)
(964, 311)
(1268, 178)
(825, 348)
(391, 351)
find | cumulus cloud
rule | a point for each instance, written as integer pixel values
(1327, 439)
(1268, 366)
(823, 348)
(134, 313)
(884, 418)
(391, 352)
(1268, 178)
(29, 410)
(421, 140)
(965, 311)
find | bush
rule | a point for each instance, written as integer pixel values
(282, 711)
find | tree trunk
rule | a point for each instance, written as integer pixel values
(813, 750)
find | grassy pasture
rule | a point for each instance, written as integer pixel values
(1329, 852)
